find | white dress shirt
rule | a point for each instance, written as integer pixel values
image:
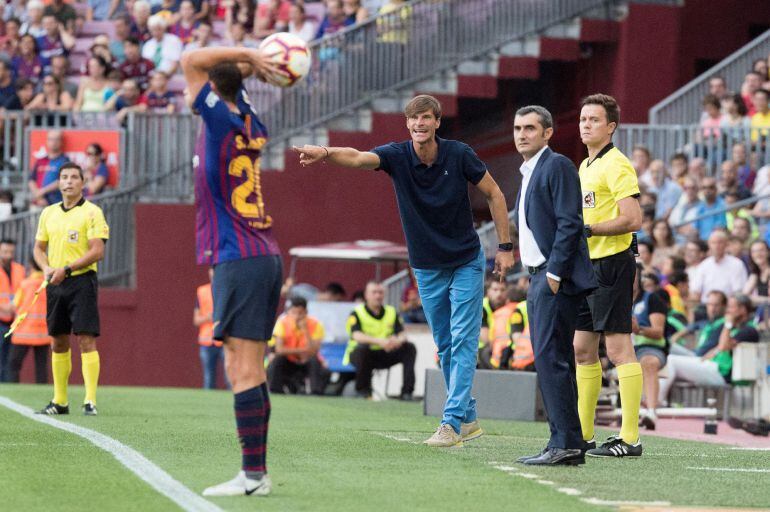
(528, 249)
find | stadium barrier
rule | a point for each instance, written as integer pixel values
(685, 104)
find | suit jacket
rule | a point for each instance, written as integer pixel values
(554, 213)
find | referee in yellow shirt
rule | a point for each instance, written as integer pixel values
(70, 240)
(611, 214)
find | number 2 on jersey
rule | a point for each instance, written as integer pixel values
(240, 197)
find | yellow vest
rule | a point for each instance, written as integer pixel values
(490, 321)
(376, 328)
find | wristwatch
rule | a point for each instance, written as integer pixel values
(67, 271)
(505, 247)
(588, 231)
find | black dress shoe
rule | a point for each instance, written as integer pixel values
(525, 458)
(588, 445)
(558, 457)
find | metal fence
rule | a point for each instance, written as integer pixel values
(684, 105)
(714, 145)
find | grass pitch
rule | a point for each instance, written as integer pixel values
(340, 455)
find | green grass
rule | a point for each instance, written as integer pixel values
(331, 454)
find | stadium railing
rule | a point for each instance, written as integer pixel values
(392, 51)
(712, 144)
(684, 105)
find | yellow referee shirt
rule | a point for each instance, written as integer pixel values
(68, 232)
(609, 178)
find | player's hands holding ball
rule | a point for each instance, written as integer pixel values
(310, 154)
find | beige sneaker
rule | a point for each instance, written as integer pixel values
(472, 430)
(445, 437)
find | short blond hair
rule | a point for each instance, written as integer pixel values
(423, 103)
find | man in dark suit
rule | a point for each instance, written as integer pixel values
(553, 248)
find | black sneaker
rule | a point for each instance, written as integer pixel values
(616, 447)
(89, 409)
(588, 445)
(52, 409)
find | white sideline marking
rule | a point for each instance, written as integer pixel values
(130, 458)
(735, 470)
(569, 491)
(545, 482)
(614, 503)
(506, 468)
(746, 449)
(531, 476)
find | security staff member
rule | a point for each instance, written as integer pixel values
(70, 240)
(211, 352)
(378, 341)
(611, 214)
(11, 275)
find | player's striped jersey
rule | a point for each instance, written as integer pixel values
(231, 221)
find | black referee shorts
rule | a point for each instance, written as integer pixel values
(609, 307)
(73, 306)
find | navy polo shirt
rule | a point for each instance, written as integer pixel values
(433, 201)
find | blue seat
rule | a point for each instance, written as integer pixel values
(334, 353)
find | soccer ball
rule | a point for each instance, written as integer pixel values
(292, 55)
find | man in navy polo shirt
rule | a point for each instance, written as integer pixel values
(44, 176)
(430, 176)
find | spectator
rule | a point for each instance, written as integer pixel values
(751, 83)
(715, 367)
(102, 10)
(135, 66)
(163, 49)
(711, 119)
(735, 112)
(663, 241)
(10, 40)
(114, 80)
(757, 287)
(719, 271)
(697, 169)
(15, 9)
(646, 254)
(760, 121)
(695, 251)
(686, 209)
(671, 266)
(95, 170)
(56, 41)
(122, 33)
(736, 248)
(378, 341)
(718, 87)
(139, 27)
(299, 25)
(708, 337)
(640, 159)
(334, 21)
(7, 88)
(298, 338)
(746, 174)
(678, 165)
(680, 282)
(761, 210)
(201, 36)
(28, 63)
(355, 11)
(158, 98)
(272, 17)
(648, 219)
(34, 24)
(666, 190)
(741, 214)
(44, 177)
(101, 47)
(94, 91)
(729, 181)
(239, 37)
(127, 100)
(239, 11)
(332, 292)
(711, 203)
(411, 304)
(53, 97)
(202, 9)
(25, 91)
(186, 25)
(760, 66)
(167, 11)
(60, 68)
(63, 12)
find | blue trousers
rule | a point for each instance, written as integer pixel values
(5, 349)
(451, 299)
(211, 358)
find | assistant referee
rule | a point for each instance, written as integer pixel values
(611, 214)
(70, 240)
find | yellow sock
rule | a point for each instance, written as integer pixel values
(90, 364)
(589, 383)
(630, 382)
(61, 366)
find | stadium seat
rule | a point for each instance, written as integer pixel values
(82, 45)
(176, 84)
(218, 29)
(94, 28)
(333, 354)
(315, 11)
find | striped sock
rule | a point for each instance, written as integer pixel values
(251, 413)
(268, 408)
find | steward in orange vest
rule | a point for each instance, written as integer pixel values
(33, 331)
(11, 276)
(210, 350)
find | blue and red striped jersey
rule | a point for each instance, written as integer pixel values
(231, 221)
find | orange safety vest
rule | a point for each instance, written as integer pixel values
(7, 287)
(33, 330)
(523, 355)
(500, 336)
(293, 337)
(206, 307)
